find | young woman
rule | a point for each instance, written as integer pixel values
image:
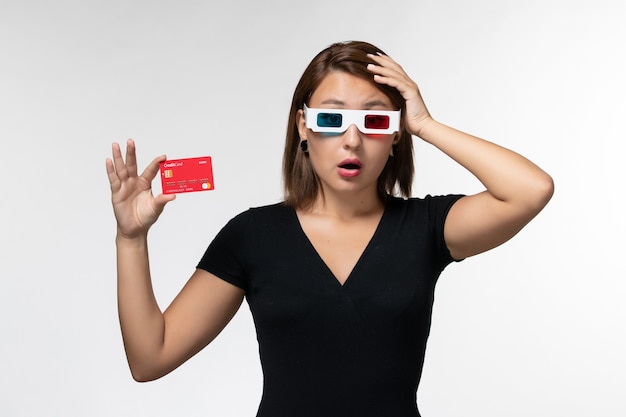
(340, 276)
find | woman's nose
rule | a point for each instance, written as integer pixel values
(352, 137)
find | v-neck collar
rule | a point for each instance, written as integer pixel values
(361, 259)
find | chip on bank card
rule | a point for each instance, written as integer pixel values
(187, 175)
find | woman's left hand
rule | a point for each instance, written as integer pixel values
(390, 73)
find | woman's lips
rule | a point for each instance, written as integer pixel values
(349, 167)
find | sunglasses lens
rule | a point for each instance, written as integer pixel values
(376, 122)
(329, 119)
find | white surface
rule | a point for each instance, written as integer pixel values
(534, 328)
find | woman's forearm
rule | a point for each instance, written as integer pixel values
(508, 176)
(140, 317)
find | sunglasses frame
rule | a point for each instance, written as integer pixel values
(352, 117)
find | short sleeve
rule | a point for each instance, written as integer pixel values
(439, 207)
(225, 256)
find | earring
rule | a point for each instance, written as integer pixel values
(391, 150)
(304, 145)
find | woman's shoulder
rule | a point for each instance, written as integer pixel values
(263, 214)
(429, 209)
(426, 201)
(274, 209)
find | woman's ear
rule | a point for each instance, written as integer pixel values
(301, 124)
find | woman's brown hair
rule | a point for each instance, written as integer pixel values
(300, 182)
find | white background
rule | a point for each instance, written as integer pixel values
(533, 328)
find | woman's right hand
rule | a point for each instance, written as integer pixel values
(135, 207)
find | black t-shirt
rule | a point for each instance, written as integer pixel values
(329, 349)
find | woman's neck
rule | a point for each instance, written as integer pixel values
(347, 205)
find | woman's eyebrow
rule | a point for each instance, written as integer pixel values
(334, 101)
(375, 103)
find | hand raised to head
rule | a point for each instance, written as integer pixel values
(389, 72)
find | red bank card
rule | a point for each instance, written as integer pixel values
(187, 175)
